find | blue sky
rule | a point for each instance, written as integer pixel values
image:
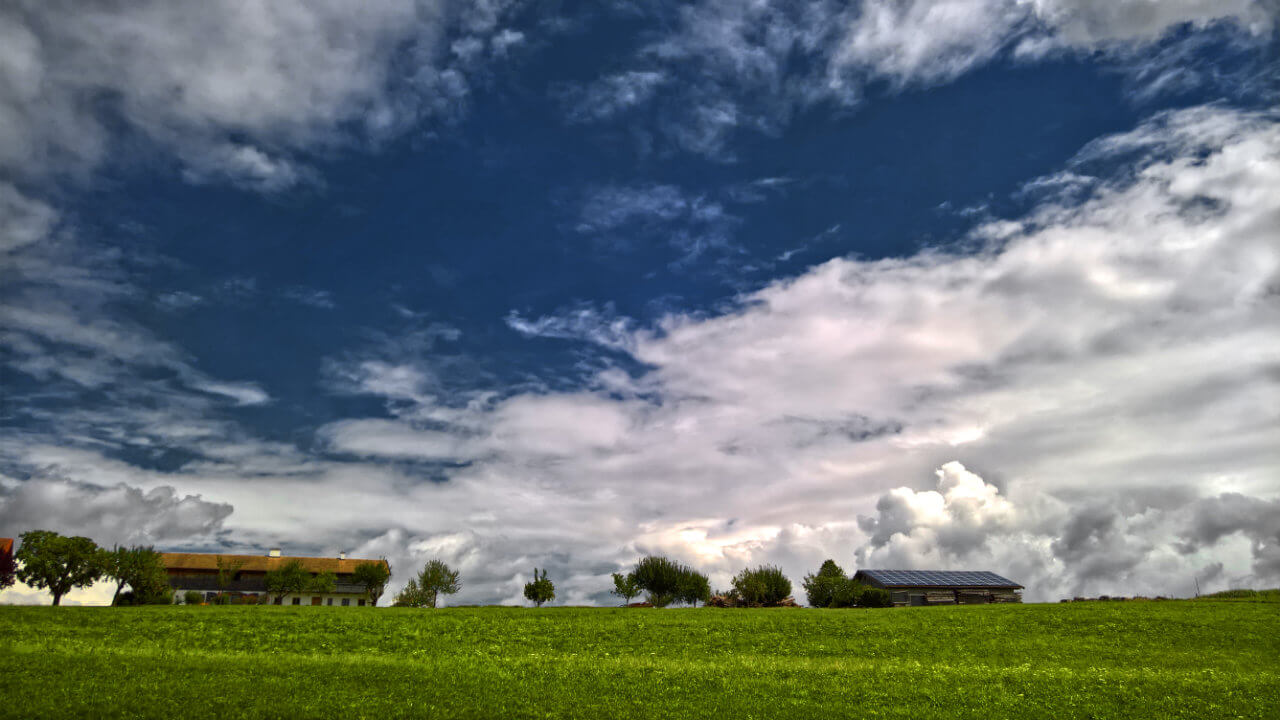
(972, 284)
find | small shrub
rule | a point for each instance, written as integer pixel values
(765, 586)
(191, 597)
(873, 597)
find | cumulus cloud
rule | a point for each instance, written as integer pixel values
(1075, 404)
(111, 515)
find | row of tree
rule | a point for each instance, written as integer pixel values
(59, 564)
(664, 581)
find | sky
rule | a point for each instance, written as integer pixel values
(962, 284)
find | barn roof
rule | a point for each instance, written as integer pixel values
(261, 563)
(936, 578)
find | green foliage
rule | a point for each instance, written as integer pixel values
(625, 587)
(435, 579)
(374, 576)
(57, 563)
(660, 578)
(142, 569)
(1272, 595)
(1108, 661)
(192, 597)
(694, 588)
(821, 588)
(763, 586)
(873, 597)
(541, 590)
(288, 579)
(321, 583)
(228, 571)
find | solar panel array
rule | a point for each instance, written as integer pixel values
(938, 578)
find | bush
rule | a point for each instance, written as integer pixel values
(660, 577)
(191, 597)
(873, 597)
(764, 586)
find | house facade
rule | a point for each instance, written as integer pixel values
(942, 587)
(245, 577)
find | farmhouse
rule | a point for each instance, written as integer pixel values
(244, 576)
(942, 587)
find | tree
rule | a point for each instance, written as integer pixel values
(288, 578)
(540, 590)
(821, 589)
(694, 586)
(321, 583)
(411, 595)
(763, 586)
(437, 579)
(142, 569)
(228, 572)
(58, 563)
(660, 578)
(873, 597)
(625, 587)
(374, 576)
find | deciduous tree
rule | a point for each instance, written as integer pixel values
(540, 590)
(141, 568)
(763, 586)
(58, 563)
(374, 576)
(625, 587)
(437, 579)
(290, 577)
(821, 588)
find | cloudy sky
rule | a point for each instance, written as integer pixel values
(961, 284)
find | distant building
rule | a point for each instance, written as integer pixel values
(942, 587)
(6, 549)
(199, 572)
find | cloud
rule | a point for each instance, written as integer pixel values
(623, 216)
(722, 66)
(113, 515)
(283, 78)
(1059, 405)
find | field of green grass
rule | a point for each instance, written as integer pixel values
(1080, 660)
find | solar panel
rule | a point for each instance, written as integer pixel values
(938, 578)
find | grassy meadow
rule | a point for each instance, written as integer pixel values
(1173, 659)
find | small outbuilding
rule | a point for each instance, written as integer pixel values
(942, 587)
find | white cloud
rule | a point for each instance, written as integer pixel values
(284, 76)
(753, 65)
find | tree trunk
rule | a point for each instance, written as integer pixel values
(57, 598)
(115, 599)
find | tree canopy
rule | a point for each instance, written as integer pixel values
(424, 590)
(374, 576)
(290, 577)
(822, 588)
(58, 563)
(541, 590)
(142, 569)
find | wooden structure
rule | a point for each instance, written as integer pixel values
(245, 577)
(942, 587)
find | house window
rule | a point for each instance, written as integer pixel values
(280, 601)
(346, 602)
(297, 601)
(329, 601)
(360, 603)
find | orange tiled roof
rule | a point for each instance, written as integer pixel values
(6, 546)
(261, 563)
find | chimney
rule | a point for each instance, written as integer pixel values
(275, 552)
(342, 556)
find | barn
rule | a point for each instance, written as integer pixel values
(942, 587)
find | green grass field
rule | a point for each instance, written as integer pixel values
(1081, 660)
